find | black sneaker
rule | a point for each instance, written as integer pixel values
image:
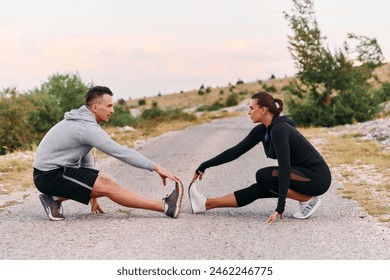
(52, 207)
(172, 203)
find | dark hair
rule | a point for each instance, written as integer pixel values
(96, 92)
(274, 105)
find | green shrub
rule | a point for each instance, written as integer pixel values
(122, 117)
(383, 94)
(355, 104)
(232, 100)
(157, 114)
(270, 89)
(240, 82)
(14, 130)
(214, 107)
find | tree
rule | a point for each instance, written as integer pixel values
(67, 90)
(14, 132)
(61, 93)
(325, 78)
(25, 118)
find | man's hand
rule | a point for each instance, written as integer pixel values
(95, 207)
(164, 174)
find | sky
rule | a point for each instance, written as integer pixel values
(142, 48)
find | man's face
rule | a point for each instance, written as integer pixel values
(104, 108)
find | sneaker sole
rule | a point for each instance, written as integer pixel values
(47, 209)
(318, 204)
(189, 195)
(192, 208)
(180, 200)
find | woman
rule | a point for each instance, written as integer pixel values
(301, 174)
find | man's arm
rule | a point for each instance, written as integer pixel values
(96, 137)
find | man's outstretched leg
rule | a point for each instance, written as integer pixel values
(107, 187)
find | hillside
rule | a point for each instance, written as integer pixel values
(192, 98)
(189, 99)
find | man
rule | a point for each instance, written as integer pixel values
(63, 163)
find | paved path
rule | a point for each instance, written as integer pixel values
(335, 231)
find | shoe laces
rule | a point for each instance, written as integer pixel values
(168, 198)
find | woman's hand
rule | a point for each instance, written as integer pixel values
(164, 174)
(95, 207)
(196, 175)
(273, 217)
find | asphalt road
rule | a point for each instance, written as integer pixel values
(336, 231)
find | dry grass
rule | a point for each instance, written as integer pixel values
(361, 166)
(15, 172)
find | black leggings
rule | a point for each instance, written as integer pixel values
(311, 181)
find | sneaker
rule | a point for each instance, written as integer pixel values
(52, 207)
(307, 208)
(198, 200)
(172, 203)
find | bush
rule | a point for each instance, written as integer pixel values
(14, 130)
(157, 114)
(45, 115)
(25, 118)
(356, 104)
(383, 94)
(60, 94)
(214, 107)
(122, 117)
(305, 113)
(240, 82)
(232, 100)
(67, 90)
(270, 89)
(201, 92)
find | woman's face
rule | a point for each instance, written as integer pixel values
(255, 112)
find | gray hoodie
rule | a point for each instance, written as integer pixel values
(69, 144)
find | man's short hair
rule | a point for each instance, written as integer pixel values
(95, 93)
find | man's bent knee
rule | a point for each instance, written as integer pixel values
(105, 175)
(103, 186)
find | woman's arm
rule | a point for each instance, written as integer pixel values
(280, 140)
(253, 138)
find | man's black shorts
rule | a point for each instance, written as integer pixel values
(72, 183)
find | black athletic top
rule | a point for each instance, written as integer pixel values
(281, 141)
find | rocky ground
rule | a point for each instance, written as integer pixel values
(378, 130)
